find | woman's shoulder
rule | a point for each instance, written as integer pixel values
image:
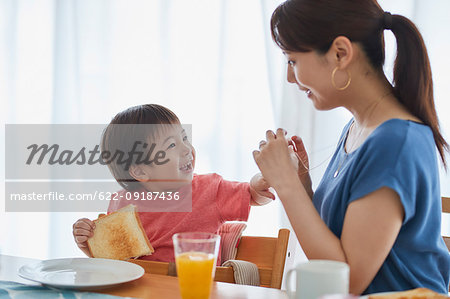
(401, 130)
(397, 138)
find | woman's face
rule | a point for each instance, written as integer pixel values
(312, 74)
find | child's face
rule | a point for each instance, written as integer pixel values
(181, 161)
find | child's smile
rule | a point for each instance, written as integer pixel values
(180, 157)
(187, 167)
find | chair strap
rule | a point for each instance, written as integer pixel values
(244, 272)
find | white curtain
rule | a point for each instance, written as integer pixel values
(66, 61)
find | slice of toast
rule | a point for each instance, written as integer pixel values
(119, 236)
(419, 293)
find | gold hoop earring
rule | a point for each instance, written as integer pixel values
(334, 83)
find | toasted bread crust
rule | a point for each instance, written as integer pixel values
(419, 293)
(89, 248)
(121, 236)
(143, 232)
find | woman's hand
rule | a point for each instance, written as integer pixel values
(82, 230)
(275, 160)
(298, 150)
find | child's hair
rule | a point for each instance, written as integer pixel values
(119, 137)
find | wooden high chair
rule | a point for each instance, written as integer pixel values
(269, 254)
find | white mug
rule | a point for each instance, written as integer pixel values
(319, 277)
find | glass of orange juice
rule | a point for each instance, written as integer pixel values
(195, 257)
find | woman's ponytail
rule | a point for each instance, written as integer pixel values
(413, 83)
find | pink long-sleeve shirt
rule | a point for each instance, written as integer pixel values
(214, 201)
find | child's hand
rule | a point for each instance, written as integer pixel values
(259, 188)
(83, 229)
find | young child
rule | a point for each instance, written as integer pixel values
(214, 200)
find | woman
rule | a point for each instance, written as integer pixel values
(377, 207)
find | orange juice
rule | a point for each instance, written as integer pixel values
(195, 274)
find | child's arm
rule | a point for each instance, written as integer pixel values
(259, 189)
(83, 229)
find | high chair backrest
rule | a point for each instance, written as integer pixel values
(446, 210)
(269, 254)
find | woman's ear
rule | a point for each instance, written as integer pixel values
(138, 173)
(341, 52)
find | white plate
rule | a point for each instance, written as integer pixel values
(81, 273)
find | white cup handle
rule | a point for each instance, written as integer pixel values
(288, 283)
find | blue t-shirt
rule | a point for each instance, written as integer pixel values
(400, 155)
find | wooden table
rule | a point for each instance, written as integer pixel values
(150, 285)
